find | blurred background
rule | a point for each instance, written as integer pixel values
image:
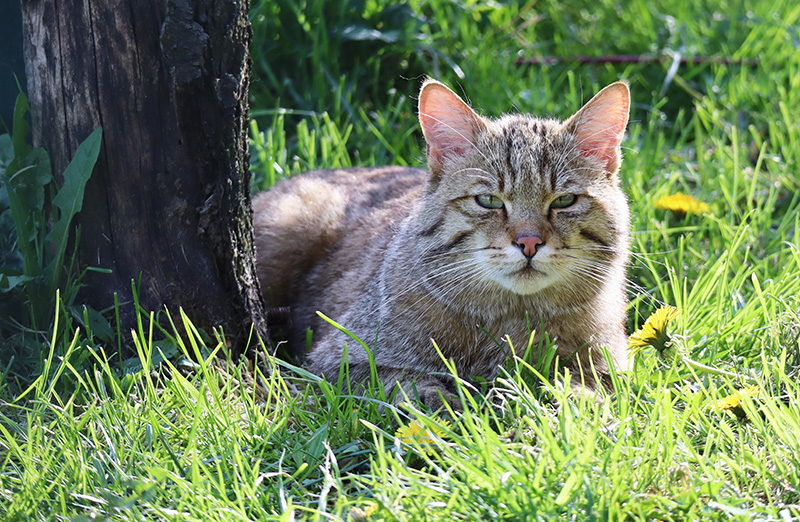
(12, 68)
(359, 64)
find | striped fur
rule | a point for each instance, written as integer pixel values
(404, 256)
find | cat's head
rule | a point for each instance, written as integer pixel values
(529, 205)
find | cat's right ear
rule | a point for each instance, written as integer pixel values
(600, 125)
(450, 126)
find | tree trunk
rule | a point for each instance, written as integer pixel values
(168, 203)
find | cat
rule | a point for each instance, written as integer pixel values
(519, 223)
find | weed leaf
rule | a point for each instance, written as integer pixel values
(69, 199)
(21, 127)
(9, 280)
(25, 180)
(6, 149)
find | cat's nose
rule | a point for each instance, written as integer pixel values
(528, 243)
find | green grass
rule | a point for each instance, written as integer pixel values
(201, 437)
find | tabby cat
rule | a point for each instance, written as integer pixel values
(519, 223)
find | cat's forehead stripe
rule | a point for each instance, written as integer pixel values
(525, 149)
(510, 170)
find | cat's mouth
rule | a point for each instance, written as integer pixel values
(529, 271)
(527, 280)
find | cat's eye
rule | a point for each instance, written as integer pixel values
(567, 200)
(489, 201)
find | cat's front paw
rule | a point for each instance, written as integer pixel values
(425, 389)
(588, 389)
(435, 398)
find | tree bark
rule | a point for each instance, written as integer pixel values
(168, 204)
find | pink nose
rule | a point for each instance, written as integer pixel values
(527, 243)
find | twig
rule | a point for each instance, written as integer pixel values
(630, 58)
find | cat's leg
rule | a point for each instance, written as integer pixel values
(427, 389)
(589, 375)
(399, 384)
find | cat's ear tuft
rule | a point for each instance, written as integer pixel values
(600, 125)
(450, 126)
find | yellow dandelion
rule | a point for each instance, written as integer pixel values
(682, 204)
(733, 402)
(416, 432)
(654, 331)
(653, 334)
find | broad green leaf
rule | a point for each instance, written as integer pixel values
(21, 128)
(6, 150)
(25, 180)
(94, 321)
(8, 281)
(28, 175)
(69, 199)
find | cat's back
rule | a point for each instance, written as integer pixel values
(301, 221)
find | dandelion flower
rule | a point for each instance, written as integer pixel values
(654, 330)
(653, 333)
(416, 432)
(734, 402)
(681, 204)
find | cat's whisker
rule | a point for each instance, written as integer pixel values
(591, 268)
(422, 283)
(599, 261)
(450, 254)
(595, 269)
(602, 130)
(465, 277)
(639, 257)
(642, 258)
(637, 289)
(595, 281)
(425, 259)
(590, 262)
(594, 248)
(488, 177)
(446, 301)
(565, 173)
(568, 156)
(646, 295)
(482, 276)
(589, 272)
(430, 277)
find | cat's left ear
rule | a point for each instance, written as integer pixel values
(450, 126)
(600, 125)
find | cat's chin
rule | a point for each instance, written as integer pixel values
(526, 281)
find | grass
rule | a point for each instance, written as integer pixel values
(197, 436)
